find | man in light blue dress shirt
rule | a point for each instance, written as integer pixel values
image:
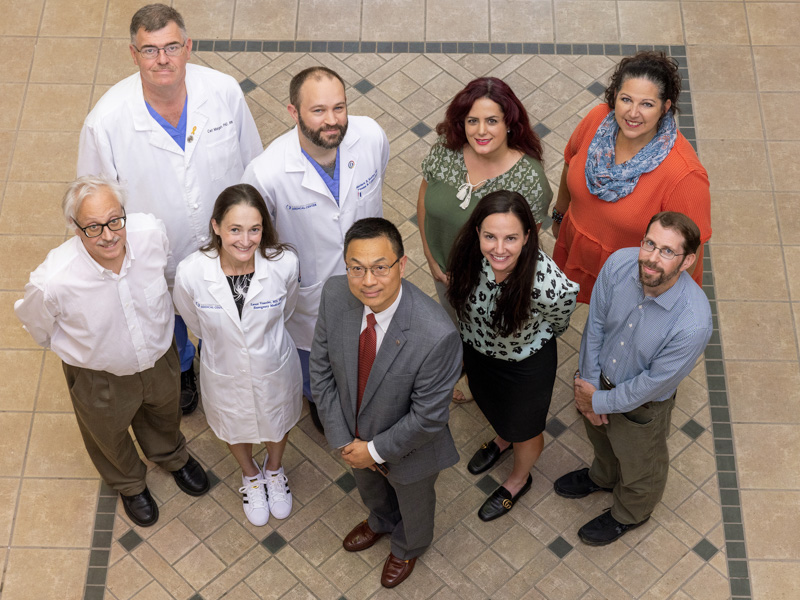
(648, 324)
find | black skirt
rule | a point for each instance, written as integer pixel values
(514, 396)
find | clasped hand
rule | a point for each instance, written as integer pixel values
(583, 401)
(356, 454)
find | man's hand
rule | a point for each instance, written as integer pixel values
(356, 454)
(583, 402)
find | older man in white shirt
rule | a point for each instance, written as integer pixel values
(100, 302)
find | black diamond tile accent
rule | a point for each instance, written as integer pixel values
(253, 46)
(737, 568)
(677, 50)
(595, 49)
(722, 430)
(247, 85)
(736, 550)
(487, 484)
(482, 48)
(96, 576)
(661, 48)
(531, 48)
(413, 219)
(369, 46)
(222, 45)
(726, 463)
(449, 47)
(94, 592)
(729, 497)
(104, 522)
(196, 597)
(130, 540)
(705, 549)
(723, 446)
(336, 46)
(212, 479)
(580, 49)
(317, 46)
(731, 514)
(563, 48)
(421, 129)
(107, 504)
(547, 48)
(728, 481)
(350, 47)
(465, 47)
(286, 46)
(205, 45)
(384, 47)
(734, 532)
(400, 47)
(541, 129)
(560, 547)
(302, 46)
(98, 558)
(433, 47)
(346, 482)
(363, 86)
(269, 47)
(238, 46)
(418, 47)
(273, 542)
(498, 48)
(514, 48)
(628, 49)
(740, 587)
(693, 429)
(597, 88)
(101, 539)
(612, 49)
(555, 427)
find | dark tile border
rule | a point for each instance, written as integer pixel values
(727, 472)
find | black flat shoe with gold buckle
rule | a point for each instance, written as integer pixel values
(485, 457)
(501, 501)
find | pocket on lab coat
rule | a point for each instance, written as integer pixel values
(369, 203)
(223, 156)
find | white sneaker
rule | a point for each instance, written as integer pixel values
(278, 494)
(254, 498)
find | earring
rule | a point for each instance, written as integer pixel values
(508, 131)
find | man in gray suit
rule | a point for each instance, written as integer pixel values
(383, 363)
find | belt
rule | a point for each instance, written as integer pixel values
(605, 382)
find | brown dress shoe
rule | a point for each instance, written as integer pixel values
(396, 570)
(360, 537)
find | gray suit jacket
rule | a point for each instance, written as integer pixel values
(406, 403)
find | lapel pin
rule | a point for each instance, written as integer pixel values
(351, 164)
(190, 139)
(397, 342)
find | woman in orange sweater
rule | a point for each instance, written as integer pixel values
(625, 162)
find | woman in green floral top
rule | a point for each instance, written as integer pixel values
(512, 301)
(486, 144)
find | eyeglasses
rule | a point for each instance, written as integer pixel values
(358, 272)
(170, 50)
(666, 253)
(96, 230)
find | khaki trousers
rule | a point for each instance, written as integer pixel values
(631, 456)
(149, 402)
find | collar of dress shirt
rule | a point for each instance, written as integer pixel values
(100, 269)
(383, 318)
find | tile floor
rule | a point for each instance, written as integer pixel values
(728, 524)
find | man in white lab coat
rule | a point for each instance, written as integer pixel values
(317, 180)
(174, 135)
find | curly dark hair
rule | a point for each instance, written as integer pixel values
(521, 136)
(656, 67)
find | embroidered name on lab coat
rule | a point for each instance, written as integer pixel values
(304, 207)
(267, 303)
(361, 187)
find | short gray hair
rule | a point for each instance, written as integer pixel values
(86, 186)
(154, 17)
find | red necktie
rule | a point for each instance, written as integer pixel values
(367, 343)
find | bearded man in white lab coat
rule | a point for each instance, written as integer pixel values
(317, 180)
(174, 135)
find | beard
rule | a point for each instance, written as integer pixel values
(661, 275)
(315, 135)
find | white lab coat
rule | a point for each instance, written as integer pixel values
(305, 213)
(249, 368)
(120, 139)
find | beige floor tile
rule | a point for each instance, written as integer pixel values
(53, 393)
(7, 144)
(156, 566)
(45, 156)
(9, 492)
(777, 68)
(760, 392)
(56, 515)
(173, 541)
(749, 273)
(765, 327)
(407, 21)
(762, 453)
(580, 20)
(721, 68)
(16, 427)
(727, 115)
(115, 64)
(456, 20)
(12, 335)
(772, 520)
(708, 584)
(714, 23)
(153, 591)
(64, 60)
(792, 255)
(207, 18)
(772, 23)
(521, 21)
(126, 578)
(36, 573)
(20, 18)
(56, 448)
(776, 125)
(18, 53)
(118, 18)
(785, 167)
(733, 214)
(561, 582)
(788, 206)
(321, 20)
(701, 512)
(11, 96)
(199, 566)
(272, 576)
(19, 255)
(33, 207)
(18, 387)
(231, 541)
(265, 19)
(55, 107)
(735, 164)
(76, 19)
(774, 580)
(650, 22)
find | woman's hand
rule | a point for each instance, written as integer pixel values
(562, 201)
(437, 273)
(555, 228)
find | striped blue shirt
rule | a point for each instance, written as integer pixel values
(644, 345)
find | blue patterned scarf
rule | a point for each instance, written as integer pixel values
(609, 181)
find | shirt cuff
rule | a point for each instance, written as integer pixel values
(374, 453)
(600, 402)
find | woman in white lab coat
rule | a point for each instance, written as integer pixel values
(235, 294)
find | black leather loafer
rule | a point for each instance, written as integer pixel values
(141, 508)
(577, 484)
(485, 458)
(501, 501)
(604, 529)
(191, 478)
(189, 395)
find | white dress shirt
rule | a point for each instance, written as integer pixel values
(382, 321)
(95, 319)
